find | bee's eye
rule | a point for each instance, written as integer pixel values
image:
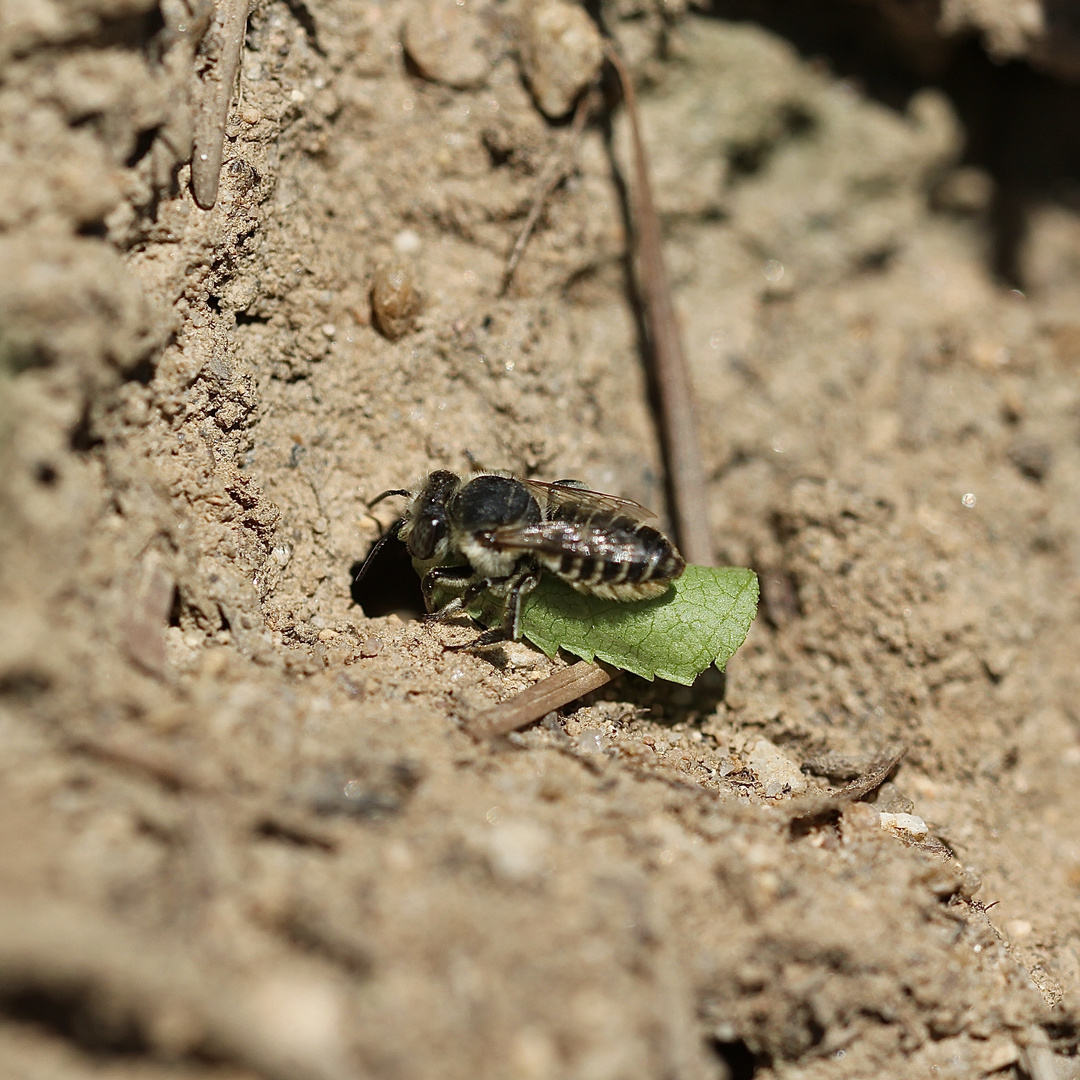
(425, 535)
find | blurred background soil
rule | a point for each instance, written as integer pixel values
(243, 831)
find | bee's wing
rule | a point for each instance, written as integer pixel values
(569, 491)
(557, 538)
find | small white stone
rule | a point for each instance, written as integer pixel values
(909, 825)
(591, 741)
(407, 242)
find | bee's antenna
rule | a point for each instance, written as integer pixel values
(386, 537)
(387, 494)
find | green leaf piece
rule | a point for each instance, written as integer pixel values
(701, 620)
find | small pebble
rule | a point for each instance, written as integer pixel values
(447, 43)
(775, 770)
(395, 299)
(591, 741)
(522, 657)
(561, 52)
(370, 646)
(910, 826)
(407, 242)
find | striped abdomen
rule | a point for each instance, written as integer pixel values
(613, 557)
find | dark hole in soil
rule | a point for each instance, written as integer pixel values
(68, 1013)
(96, 228)
(45, 473)
(25, 684)
(143, 372)
(741, 1062)
(143, 142)
(174, 608)
(83, 437)
(389, 585)
(302, 14)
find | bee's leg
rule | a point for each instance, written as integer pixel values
(461, 602)
(438, 574)
(519, 585)
(482, 586)
(511, 625)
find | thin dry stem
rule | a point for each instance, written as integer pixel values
(682, 448)
(224, 45)
(541, 698)
(872, 779)
(815, 806)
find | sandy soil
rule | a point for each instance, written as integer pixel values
(244, 833)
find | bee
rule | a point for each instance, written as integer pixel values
(497, 533)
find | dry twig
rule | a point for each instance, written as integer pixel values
(186, 24)
(541, 698)
(812, 807)
(682, 449)
(872, 779)
(223, 46)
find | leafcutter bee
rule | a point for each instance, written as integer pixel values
(498, 534)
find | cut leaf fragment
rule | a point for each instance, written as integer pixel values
(701, 620)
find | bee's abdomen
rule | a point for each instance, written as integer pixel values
(634, 562)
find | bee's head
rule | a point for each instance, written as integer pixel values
(426, 527)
